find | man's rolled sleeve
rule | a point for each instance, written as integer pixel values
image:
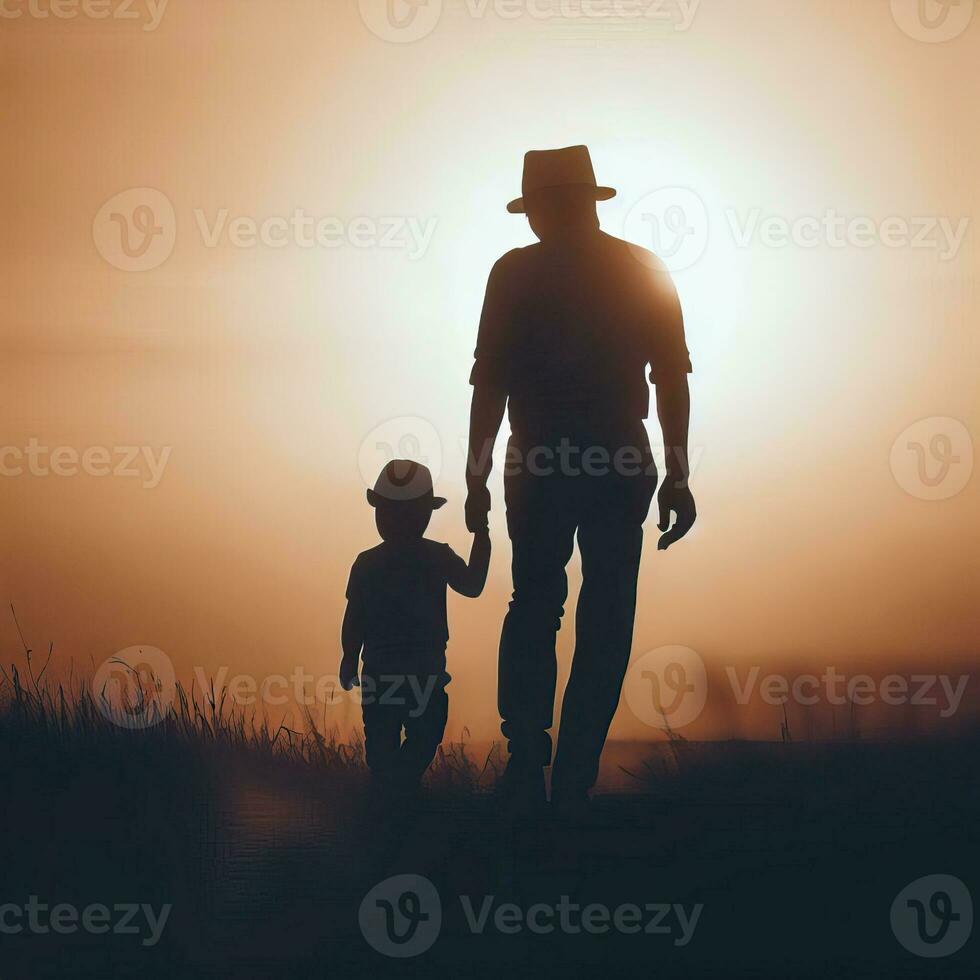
(491, 366)
(671, 364)
(668, 352)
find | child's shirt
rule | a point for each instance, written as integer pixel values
(397, 591)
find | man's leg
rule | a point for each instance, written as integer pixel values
(611, 542)
(542, 533)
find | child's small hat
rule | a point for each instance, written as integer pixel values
(404, 479)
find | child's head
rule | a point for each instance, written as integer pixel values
(403, 500)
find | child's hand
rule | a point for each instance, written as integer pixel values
(477, 509)
(348, 673)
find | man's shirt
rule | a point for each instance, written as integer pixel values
(567, 332)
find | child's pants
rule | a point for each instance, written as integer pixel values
(417, 704)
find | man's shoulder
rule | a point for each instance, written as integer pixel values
(636, 256)
(516, 259)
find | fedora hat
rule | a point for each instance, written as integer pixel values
(404, 479)
(569, 167)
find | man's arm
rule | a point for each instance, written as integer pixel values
(470, 579)
(674, 412)
(670, 364)
(486, 415)
(489, 378)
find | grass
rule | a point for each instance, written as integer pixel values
(102, 812)
(196, 721)
(265, 838)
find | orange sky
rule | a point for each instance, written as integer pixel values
(266, 370)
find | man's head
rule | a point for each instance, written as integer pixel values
(560, 192)
(403, 500)
(557, 212)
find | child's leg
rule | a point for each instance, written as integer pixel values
(382, 737)
(425, 724)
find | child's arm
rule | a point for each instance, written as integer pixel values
(352, 640)
(469, 579)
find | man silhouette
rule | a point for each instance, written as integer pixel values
(568, 327)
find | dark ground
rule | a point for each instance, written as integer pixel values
(796, 852)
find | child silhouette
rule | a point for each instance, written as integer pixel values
(396, 624)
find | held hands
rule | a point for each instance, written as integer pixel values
(676, 498)
(348, 673)
(477, 509)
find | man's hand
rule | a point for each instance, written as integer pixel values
(679, 499)
(477, 508)
(486, 414)
(348, 673)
